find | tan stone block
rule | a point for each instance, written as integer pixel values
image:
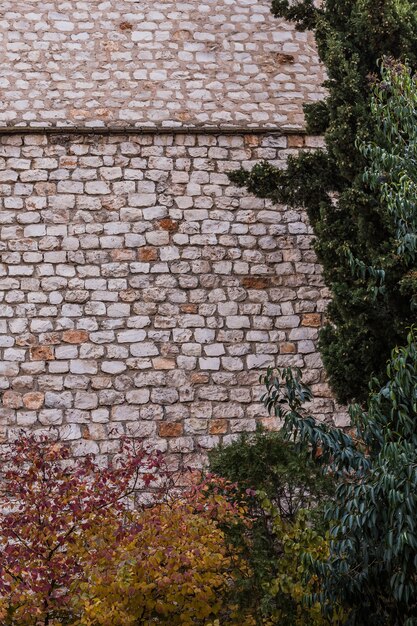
(75, 336)
(68, 161)
(123, 255)
(85, 431)
(51, 338)
(198, 378)
(189, 308)
(128, 295)
(190, 478)
(283, 58)
(33, 400)
(163, 364)
(42, 353)
(295, 141)
(311, 319)
(270, 423)
(43, 189)
(218, 427)
(26, 340)
(252, 141)
(12, 400)
(287, 348)
(170, 429)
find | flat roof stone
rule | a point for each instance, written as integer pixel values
(141, 63)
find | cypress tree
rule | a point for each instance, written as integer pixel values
(347, 214)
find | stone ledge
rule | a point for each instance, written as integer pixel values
(152, 130)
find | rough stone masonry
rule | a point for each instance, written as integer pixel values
(140, 292)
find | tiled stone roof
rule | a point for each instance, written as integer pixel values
(214, 63)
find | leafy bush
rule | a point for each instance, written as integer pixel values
(281, 482)
(348, 218)
(265, 461)
(177, 569)
(292, 582)
(371, 567)
(73, 552)
(45, 505)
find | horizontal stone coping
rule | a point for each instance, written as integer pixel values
(154, 130)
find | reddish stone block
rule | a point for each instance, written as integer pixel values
(170, 429)
(33, 400)
(295, 141)
(147, 254)
(256, 282)
(68, 161)
(42, 353)
(75, 336)
(169, 225)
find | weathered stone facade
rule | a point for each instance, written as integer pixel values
(140, 292)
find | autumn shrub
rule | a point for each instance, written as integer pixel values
(73, 551)
(285, 491)
(173, 566)
(45, 505)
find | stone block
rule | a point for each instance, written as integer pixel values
(33, 400)
(42, 353)
(170, 429)
(75, 336)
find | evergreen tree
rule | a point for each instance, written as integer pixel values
(349, 219)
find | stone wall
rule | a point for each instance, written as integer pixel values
(141, 293)
(152, 63)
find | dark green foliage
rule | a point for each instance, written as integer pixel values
(266, 461)
(266, 466)
(317, 117)
(372, 569)
(392, 173)
(347, 215)
(302, 12)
